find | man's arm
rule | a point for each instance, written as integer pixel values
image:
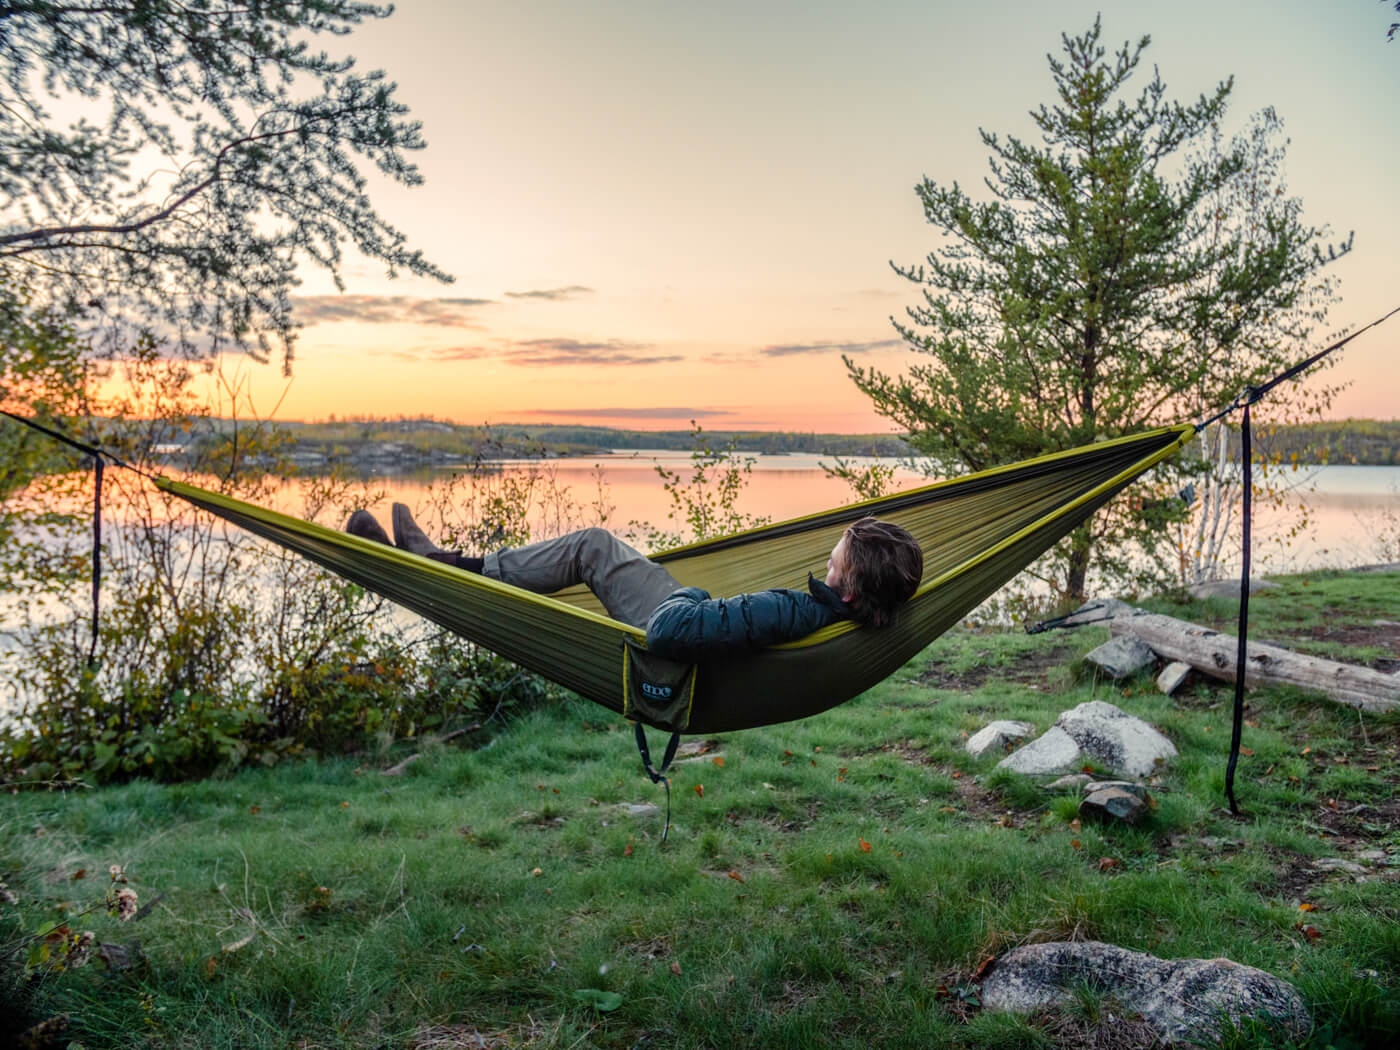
(690, 625)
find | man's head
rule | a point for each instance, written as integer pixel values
(875, 567)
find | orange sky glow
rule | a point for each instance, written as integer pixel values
(663, 212)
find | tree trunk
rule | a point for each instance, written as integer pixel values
(1077, 573)
(1214, 654)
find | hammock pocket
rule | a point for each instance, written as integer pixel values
(977, 532)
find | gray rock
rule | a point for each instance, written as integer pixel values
(1115, 738)
(1123, 656)
(997, 736)
(639, 809)
(1229, 588)
(1100, 610)
(1132, 786)
(1184, 999)
(1069, 782)
(1113, 804)
(1338, 864)
(1093, 731)
(1054, 751)
(1176, 672)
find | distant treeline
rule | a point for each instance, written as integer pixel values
(378, 444)
(1366, 442)
(348, 437)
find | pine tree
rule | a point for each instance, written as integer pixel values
(1101, 289)
(166, 165)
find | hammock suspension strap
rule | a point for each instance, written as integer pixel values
(100, 457)
(1249, 396)
(658, 776)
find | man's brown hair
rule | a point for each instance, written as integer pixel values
(883, 567)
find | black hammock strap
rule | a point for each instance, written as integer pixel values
(658, 776)
(98, 455)
(1252, 394)
(1248, 397)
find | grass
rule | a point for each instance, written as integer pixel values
(832, 882)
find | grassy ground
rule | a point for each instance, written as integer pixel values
(833, 882)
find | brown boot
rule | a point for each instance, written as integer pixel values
(363, 524)
(408, 536)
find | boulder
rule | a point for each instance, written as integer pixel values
(1116, 739)
(1054, 751)
(1123, 656)
(1183, 999)
(997, 736)
(1094, 731)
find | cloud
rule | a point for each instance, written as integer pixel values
(789, 349)
(559, 351)
(387, 309)
(534, 352)
(553, 295)
(460, 353)
(663, 412)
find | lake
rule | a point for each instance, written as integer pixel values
(1349, 508)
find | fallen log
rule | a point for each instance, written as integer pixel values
(1213, 653)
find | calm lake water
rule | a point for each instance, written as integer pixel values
(1353, 512)
(1349, 508)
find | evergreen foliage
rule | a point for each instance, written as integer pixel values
(1132, 268)
(165, 166)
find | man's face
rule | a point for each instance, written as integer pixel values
(836, 567)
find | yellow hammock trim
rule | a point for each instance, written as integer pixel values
(977, 532)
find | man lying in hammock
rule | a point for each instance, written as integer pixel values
(874, 568)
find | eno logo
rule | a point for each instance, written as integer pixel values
(659, 692)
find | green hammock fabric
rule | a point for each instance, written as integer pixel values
(977, 532)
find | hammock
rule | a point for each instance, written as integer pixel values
(977, 532)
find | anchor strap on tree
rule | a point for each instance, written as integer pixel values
(98, 456)
(1249, 396)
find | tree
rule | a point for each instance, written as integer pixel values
(1098, 291)
(166, 164)
(1394, 26)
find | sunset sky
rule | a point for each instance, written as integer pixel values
(663, 211)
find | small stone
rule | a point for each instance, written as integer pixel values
(1371, 854)
(1123, 656)
(1140, 790)
(644, 809)
(1100, 610)
(1110, 804)
(1229, 588)
(1338, 864)
(997, 736)
(1069, 782)
(1176, 672)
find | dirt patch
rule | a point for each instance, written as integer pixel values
(1360, 824)
(1294, 876)
(1031, 668)
(1374, 636)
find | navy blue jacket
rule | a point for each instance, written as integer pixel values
(690, 625)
